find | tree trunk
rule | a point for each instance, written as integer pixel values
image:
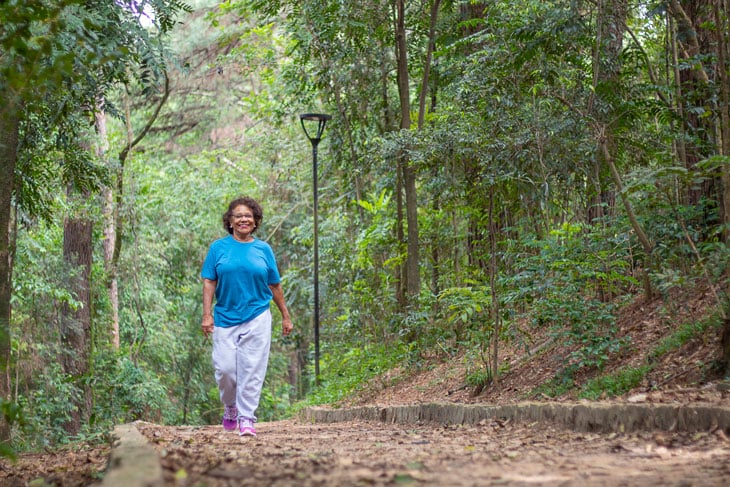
(388, 125)
(413, 280)
(400, 270)
(628, 207)
(495, 311)
(9, 124)
(722, 46)
(722, 18)
(427, 65)
(678, 104)
(695, 85)
(110, 215)
(76, 322)
(595, 199)
(423, 96)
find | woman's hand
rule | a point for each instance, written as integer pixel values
(286, 326)
(207, 325)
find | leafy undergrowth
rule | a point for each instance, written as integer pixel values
(672, 353)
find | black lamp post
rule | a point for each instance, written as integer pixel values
(318, 121)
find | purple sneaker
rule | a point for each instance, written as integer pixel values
(245, 427)
(230, 418)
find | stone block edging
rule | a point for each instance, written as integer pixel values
(133, 461)
(582, 417)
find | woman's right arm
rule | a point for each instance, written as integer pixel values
(208, 293)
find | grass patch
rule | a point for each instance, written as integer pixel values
(557, 386)
(628, 378)
(615, 384)
(684, 334)
(479, 378)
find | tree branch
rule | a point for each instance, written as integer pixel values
(166, 94)
(652, 76)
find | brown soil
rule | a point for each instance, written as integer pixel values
(289, 453)
(77, 465)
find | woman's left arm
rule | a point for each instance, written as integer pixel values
(286, 324)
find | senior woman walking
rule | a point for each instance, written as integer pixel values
(241, 272)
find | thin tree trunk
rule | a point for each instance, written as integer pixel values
(595, 207)
(132, 142)
(628, 207)
(611, 27)
(595, 199)
(413, 286)
(690, 37)
(495, 312)
(423, 96)
(435, 256)
(113, 198)
(9, 126)
(110, 215)
(694, 45)
(678, 104)
(400, 270)
(413, 280)
(401, 161)
(723, 53)
(722, 18)
(427, 65)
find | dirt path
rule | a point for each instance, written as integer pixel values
(291, 453)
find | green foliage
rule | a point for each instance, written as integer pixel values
(12, 414)
(464, 304)
(61, 59)
(131, 392)
(51, 406)
(614, 384)
(467, 309)
(479, 378)
(352, 368)
(566, 283)
(122, 392)
(356, 267)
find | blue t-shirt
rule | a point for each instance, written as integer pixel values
(243, 272)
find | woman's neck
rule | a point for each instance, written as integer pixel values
(242, 238)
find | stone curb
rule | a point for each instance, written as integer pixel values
(603, 418)
(133, 461)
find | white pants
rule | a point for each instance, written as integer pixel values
(240, 358)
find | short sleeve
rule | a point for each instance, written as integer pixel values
(273, 277)
(208, 271)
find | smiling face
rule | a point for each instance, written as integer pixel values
(242, 208)
(242, 222)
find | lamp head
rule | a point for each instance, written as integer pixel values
(320, 119)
